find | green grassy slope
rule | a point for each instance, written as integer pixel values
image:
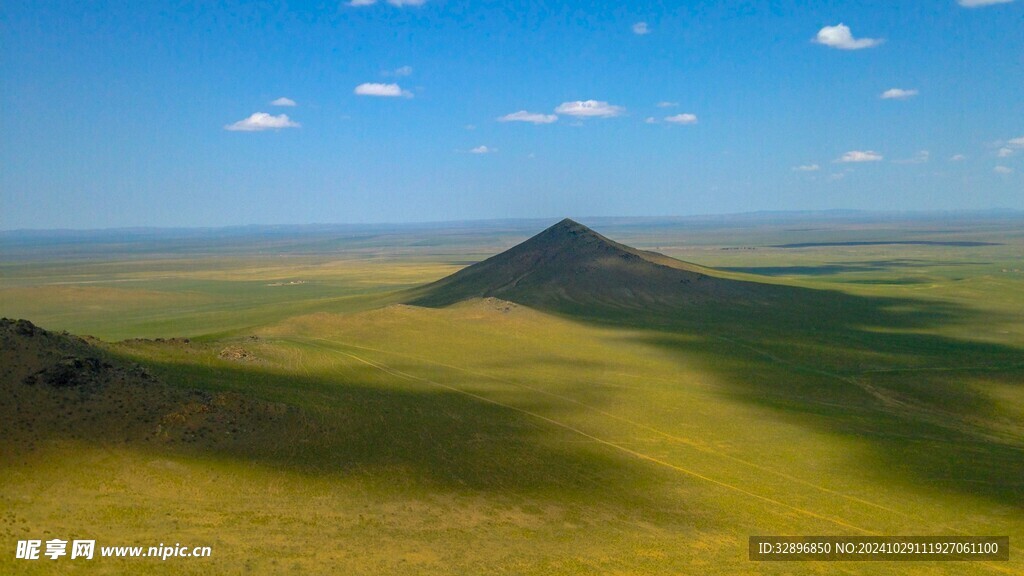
(487, 437)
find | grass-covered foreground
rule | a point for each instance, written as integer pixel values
(345, 432)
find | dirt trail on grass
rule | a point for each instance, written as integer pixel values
(619, 447)
(897, 404)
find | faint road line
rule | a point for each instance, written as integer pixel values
(681, 440)
(889, 399)
(624, 449)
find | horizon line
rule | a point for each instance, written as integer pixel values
(1001, 211)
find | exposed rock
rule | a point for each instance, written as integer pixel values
(237, 354)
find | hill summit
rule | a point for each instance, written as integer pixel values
(571, 268)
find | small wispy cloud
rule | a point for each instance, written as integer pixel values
(957, 158)
(483, 150)
(531, 117)
(921, 157)
(589, 109)
(385, 90)
(641, 29)
(682, 119)
(667, 104)
(650, 120)
(807, 168)
(282, 101)
(399, 72)
(262, 121)
(398, 3)
(854, 156)
(1004, 152)
(840, 36)
(980, 3)
(1003, 170)
(1016, 142)
(898, 94)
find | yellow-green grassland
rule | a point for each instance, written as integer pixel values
(303, 403)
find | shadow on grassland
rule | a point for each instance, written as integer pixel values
(864, 367)
(389, 433)
(926, 429)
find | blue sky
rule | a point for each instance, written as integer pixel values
(136, 114)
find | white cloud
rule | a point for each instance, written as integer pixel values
(921, 157)
(282, 101)
(978, 3)
(837, 176)
(1003, 170)
(483, 150)
(1005, 152)
(640, 28)
(470, 126)
(1016, 142)
(860, 156)
(532, 117)
(667, 104)
(682, 119)
(399, 72)
(957, 158)
(375, 89)
(898, 94)
(262, 121)
(589, 109)
(398, 3)
(807, 168)
(839, 36)
(650, 120)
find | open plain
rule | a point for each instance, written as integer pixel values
(313, 400)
